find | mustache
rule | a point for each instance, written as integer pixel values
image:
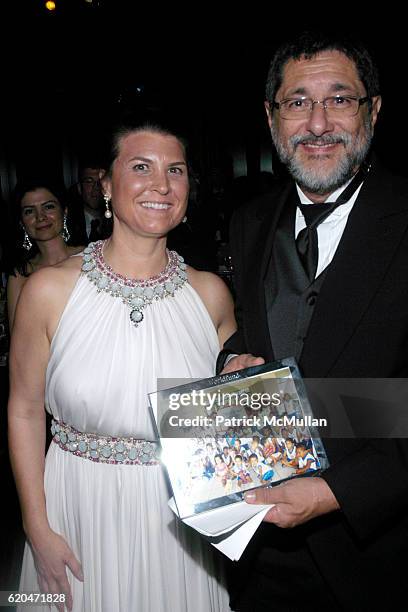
(326, 139)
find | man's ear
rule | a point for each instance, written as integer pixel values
(375, 109)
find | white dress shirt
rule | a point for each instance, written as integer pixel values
(329, 231)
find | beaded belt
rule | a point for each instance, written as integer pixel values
(104, 449)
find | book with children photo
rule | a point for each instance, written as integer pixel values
(231, 433)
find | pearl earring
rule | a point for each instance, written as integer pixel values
(108, 212)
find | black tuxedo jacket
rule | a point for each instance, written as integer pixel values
(359, 329)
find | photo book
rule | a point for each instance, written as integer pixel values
(225, 435)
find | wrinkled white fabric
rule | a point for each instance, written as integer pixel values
(135, 555)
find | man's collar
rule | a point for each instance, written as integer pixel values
(331, 198)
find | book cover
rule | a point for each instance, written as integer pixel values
(225, 435)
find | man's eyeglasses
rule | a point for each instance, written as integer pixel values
(298, 108)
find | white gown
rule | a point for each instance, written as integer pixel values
(135, 555)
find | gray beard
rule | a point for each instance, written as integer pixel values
(312, 180)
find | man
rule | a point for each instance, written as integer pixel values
(87, 216)
(342, 311)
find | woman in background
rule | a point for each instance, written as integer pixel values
(42, 216)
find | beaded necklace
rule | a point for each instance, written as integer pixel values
(136, 294)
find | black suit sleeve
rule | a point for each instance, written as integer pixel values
(371, 485)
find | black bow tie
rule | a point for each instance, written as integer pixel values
(314, 214)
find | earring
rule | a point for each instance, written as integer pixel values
(27, 244)
(108, 212)
(65, 233)
(184, 219)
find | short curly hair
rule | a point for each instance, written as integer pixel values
(309, 44)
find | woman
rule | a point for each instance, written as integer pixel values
(42, 215)
(94, 341)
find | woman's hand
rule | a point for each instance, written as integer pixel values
(51, 557)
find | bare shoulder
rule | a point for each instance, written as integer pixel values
(44, 281)
(46, 292)
(208, 285)
(217, 300)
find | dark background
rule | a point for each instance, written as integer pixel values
(63, 73)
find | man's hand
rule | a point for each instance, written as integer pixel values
(240, 362)
(296, 501)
